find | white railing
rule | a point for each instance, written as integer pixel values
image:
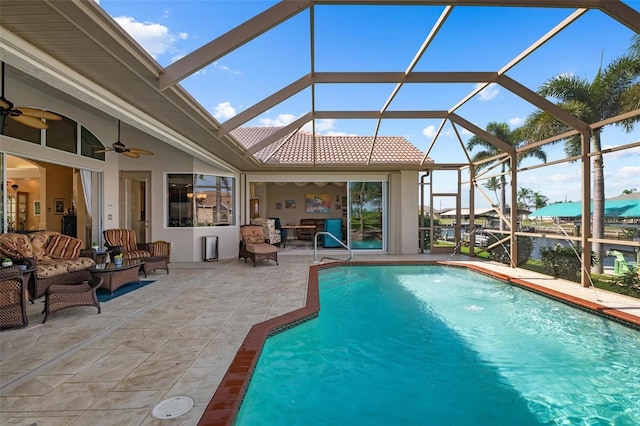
(315, 248)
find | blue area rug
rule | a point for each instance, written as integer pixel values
(104, 295)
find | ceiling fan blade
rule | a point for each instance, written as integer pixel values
(30, 121)
(39, 113)
(102, 150)
(141, 151)
(131, 154)
(4, 104)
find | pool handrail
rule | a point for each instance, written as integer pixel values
(315, 248)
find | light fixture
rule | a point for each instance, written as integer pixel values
(201, 196)
(189, 194)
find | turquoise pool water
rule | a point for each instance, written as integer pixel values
(429, 345)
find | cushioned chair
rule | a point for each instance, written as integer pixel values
(124, 241)
(160, 257)
(253, 245)
(269, 227)
(63, 296)
(13, 296)
(334, 227)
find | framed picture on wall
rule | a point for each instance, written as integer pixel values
(58, 203)
(36, 208)
(278, 206)
(289, 204)
(317, 203)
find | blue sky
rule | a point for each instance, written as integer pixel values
(386, 38)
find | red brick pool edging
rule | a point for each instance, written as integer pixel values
(225, 403)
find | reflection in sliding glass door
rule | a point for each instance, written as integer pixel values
(366, 215)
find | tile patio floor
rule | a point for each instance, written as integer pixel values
(174, 337)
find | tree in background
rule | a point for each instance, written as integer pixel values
(515, 138)
(493, 184)
(614, 91)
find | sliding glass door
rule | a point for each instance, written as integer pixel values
(366, 215)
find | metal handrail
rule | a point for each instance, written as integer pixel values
(315, 247)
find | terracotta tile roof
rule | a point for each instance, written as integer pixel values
(340, 150)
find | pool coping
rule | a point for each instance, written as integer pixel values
(225, 403)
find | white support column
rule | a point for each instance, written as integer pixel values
(514, 209)
(585, 278)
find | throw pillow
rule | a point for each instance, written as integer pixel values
(63, 247)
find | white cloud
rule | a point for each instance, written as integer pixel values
(429, 131)
(489, 92)
(279, 121)
(154, 38)
(629, 172)
(224, 111)
(516, 121)
(225, 68)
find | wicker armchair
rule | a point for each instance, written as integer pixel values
(13, 295)
(124, 241)
(63, 296)
(253, 245)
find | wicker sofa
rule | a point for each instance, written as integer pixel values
(54, 257)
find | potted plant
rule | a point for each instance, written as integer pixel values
(94, 245)
(6, 262)
(117, 259)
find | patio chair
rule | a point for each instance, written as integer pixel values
(621, 265)
(63, 296)
(253, 245)
(124, 241)
(13, 296)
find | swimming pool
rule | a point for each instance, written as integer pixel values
(435, 345)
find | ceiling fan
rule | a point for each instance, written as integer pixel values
(31, 117)
(120, 148)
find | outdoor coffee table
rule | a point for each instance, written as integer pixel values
(117, 276)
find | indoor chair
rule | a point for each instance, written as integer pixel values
(270, 232)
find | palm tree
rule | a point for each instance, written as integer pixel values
(493, 184)
(539, 200)
(512, 137)
(524, 196)
(612, 92)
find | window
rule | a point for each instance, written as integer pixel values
(200, 200)
(61, 134)
(18, 130)
(89, 144)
